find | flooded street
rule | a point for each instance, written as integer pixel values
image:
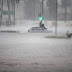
(33, 53)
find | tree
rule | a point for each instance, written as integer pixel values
(65, 4)
(13, 9)
(29, 9)
(51, 4)
(71, 10)
(9, 18)
(1, 11)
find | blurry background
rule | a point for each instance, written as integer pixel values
(27, 12)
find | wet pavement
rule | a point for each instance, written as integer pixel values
(33, 53)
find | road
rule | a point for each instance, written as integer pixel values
(34, 53)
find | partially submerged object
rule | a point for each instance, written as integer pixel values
(68, 34)
(40, 29)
